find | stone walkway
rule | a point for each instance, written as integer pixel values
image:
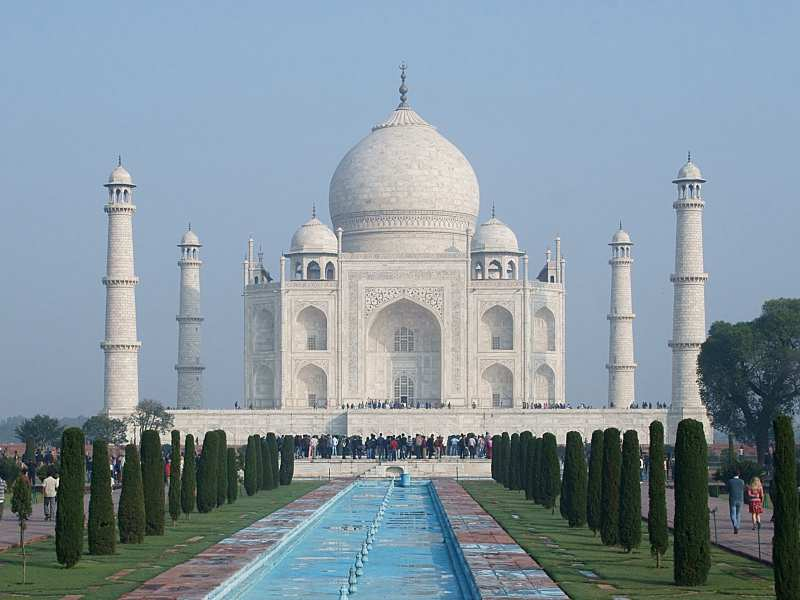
(501, 568)
(745, 542)
(197, 577)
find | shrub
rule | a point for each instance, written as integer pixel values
(594, 490)
(207, 473)
(233, 476)
(69, 514)
(785, 546)
(102, 530)
(222, 467)
(21, 506)
(152, 482)
(609, 515)
(272, 445)
(266, 465)
(130, 512)
(175, 477)
(657, 499)
(574, 482)
(189, 477)
(692, 559)
(287, 460)
(250, 465)
(513, 471)
(551, 476)
(747, 469)
(630, 493)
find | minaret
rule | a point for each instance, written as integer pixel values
(121, 379)
(621, 366)
(190, 371)
(689, 306)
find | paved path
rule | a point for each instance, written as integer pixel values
(38, 529)
(746, 542)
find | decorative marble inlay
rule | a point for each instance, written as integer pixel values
(433, 297)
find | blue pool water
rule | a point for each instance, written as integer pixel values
(412, 555)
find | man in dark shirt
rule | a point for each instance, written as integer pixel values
(735, 500)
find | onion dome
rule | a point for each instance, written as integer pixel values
(689, 172)
(314, 236)
(120, 175)
(190, 238)
(495, 236)
(621, 237)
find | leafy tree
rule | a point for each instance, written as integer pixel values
(30, 451)
(550, 472)
(287, 460)
(786, 541)
(9, 470)
(233, 476)
(152, 483)
(207, 473)
(151, 414)
(692, 559)
(495, 457)
(130, 512)
(40, 430)
(222, 467)
(657, 499)
(272, 444)
(609, 515)
(22, 507)
(266, 466)
(513, 471)
(574, 481)
(101, 427)
(250, 466)
(530, 478)
(175, 477)
(749, 372)
(102, 529)
(189, 477)
(69, 513)
(630, 493)
(594, 490)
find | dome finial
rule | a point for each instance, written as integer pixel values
(620, 224)
(313, 210)
(403, 89)
(689, 156)
(493, 209)
(190, 225)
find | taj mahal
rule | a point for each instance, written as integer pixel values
(407, 314)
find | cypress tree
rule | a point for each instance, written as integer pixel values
(222, 467)
(536, 471)
(69, 512)
(594, 490)
(525, 439)
(550, 471)
(189, 477)
(609, 514)
(785, 547)
(495, 456)
(175, 477)
(692, 546)
(207, 474)
(574, 482)
(657, 499)
(152, 483)
(233, 476)
(102, 530)
(530, 478)
(266, 465)
(505, 457)
(630, 493)
(272, 445)
(250, 479)
(259, 464)
(287, 460)
(130, 512)
(513, 472)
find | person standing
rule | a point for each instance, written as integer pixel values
(49, 488)
(735, 500)
(755, 501)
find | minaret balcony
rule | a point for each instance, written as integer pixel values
(120, 346)
(120, 208)
(620, 367)
(693, 203)
(684, 345)
(688, 277)
(189, 319)
(620, 317)
(120, 281)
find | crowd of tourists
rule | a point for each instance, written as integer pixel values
(393, 447)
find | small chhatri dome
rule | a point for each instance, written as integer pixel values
(495, 236)
(314, 236)
(120, 175)
(621, 237)
(190, 238)
(689, 172)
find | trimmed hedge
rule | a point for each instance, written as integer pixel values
(266, 465)
(189, 477)
(222, 467)
(574, 482)
(130, 512)
(152, 483)
(609, 515)
(287, 460)
(69, 512)
(630, 494)
(175, 477)
(272, 445)
(207, 473)
(233, 476)
(530, 479)
(594, 490)
(259, 462)
(505, 459)
(657, 495)
(513, 471)
(785, 546)
(495, 457)
(250, 466)
(102, 529)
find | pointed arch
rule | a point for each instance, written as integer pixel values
(544, 331)
(263, 329)
(311, 332)
(264, 387)
(497, 329)
(544, 386)
(497, 383)
(495, 270)
(312, 387)
(330, 271)
(511, 270)
(313, 270)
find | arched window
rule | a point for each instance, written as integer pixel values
(312, 271)
(544, 390)
(495, 269)
(311, 332)
(125, 197)
(497, 329)
(298, 270)
(330, 271)
(404, 340)
(478, 271)
(511, 270)
(404, 389)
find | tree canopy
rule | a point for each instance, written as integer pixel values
(749, 372)
(41, 430)
(101, 427)
(151, 414)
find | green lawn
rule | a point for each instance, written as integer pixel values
(563, 552)
(103, 577)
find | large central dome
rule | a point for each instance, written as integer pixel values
(403, 188)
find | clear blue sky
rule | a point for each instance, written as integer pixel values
(574, 115)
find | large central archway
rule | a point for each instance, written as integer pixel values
(404, 355)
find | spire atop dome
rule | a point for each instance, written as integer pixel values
(493, 215)
(403, 89)
(313, 210)
(119, 160)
